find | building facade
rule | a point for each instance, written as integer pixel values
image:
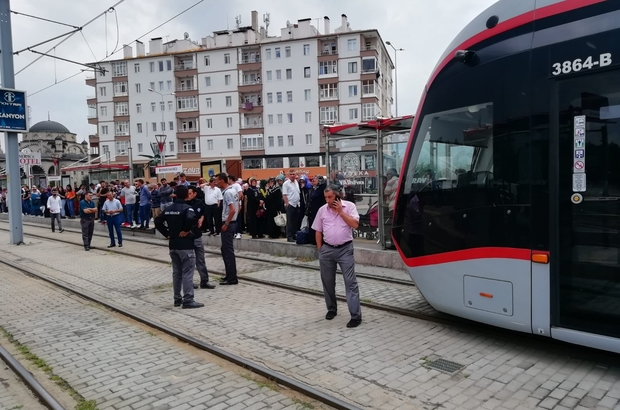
(255, 102)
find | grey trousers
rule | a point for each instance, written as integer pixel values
(228, 252)
(183, 262)
(88, 227)
(328, 259)
(201, 265)
(54, 218)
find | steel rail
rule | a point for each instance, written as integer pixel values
(46, 398)
(273, 375)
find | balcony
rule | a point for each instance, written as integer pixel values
(189, 87)
(249, 59)
(333, 96)
(250, 105)
(251, 126)
(256, 81)
(369, 70)
(369, 48)
(257, 147)
(188, 129)
(368, 92)
(91, 80)
(183, 66)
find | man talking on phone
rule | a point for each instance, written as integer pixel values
(334, 224)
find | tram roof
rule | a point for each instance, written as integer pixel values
(364, 128)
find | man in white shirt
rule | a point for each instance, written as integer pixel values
(234, 184)
(292, 201)
(53, 204)
(113, 208)
(129, 193)
(213, 199)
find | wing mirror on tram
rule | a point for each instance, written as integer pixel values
(468, 57)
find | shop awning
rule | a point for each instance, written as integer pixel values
(369, 128)
(96, 167)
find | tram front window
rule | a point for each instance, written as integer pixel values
(461, 188)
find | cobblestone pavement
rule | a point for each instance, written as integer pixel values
(14, 395)
(381, 364)
(119, 364)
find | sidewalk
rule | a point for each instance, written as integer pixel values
(384, 363)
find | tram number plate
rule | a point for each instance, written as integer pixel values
(578, 64)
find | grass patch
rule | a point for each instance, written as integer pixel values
(162, 288)
(18, 407)
(305, 259)
(303, 404)
(366, 300)
(82, 403)
(271, 385)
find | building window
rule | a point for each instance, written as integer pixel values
(368, 87)
(162, 106)
(306, 49)
(161, 65)
(210, 145)
(187, 103)
(104, 110)
(293, 162)
(269, 98)
(207, 60)
(209, 103)
(121, 128)
(369, 65)
(122, 147)
(270, 119)
(171, 145)
(106, 148)
(227, 58)
(275, 162)
(352, 90)
(120, 89)
(289, 96)
(352, 67)
(277, 49)
(279, 96)
(279, 118)
(138, 88)
(209, 123)
(289, 74)
(162, 125)
(152, 66)
(290, 117)
(161, 86)
(140, 146)
(278, 74)
(291, 141)
(170, 106)
(188, 126)
(252, 163)
(328, 67)
(104, 130)
(308, 116)
(136, 68)
(271, 141)
(229, 143)
(139, 108)
(168, 65)
(329, 114)
(287, 51)
(153, 106)
(228, 122)
(328, 91)
(121, 108)
(189, 146)
(102, 91)
(171, 125)
(269, 75)
(208, 81)
(353, 114)
(352, 44)
(152, 86)
(169, 85)
(306, 72)
(119, 69)
(280, 141)
(227, 79)
(268, 54)
(308, 139)
(228, 101)
(154, 126)
(369, 111)
(307, 95)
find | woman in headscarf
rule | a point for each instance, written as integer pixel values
(255, 201)
(273, 205)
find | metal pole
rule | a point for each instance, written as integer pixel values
(130, 156)
(327, 170)
(16, 231)
(380, 184)
(161, 153)
(396, 79)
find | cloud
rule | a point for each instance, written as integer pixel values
(423, 28)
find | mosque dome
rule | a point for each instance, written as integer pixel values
(49, 126)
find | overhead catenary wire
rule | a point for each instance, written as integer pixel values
(137, 39)
(44, 19)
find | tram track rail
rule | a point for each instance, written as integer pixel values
(258, 369)
(30, 381)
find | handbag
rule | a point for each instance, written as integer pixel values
(260, 213)
(280, 219)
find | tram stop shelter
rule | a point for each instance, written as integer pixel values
(100, 172)
(361, 155)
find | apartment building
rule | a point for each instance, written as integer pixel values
(256, 102)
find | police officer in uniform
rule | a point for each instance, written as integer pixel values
(200, 208)
(177, 223)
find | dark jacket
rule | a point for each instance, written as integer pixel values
(164, 194)
(180, 217)
(200, 208)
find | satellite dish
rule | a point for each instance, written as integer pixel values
(186, 35)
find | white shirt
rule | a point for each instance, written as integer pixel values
(212, 195)
(53, 204)
(130, 195)
(113, 205)
(291, 190)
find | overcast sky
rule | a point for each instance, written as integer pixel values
(424, 28)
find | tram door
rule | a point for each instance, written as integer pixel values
(587, 237)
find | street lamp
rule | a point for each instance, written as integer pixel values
(396, 50)
(161, 138)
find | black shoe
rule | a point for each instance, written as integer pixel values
(53, 231)
(229, 282)
(178, 302)
(112, 246)
(61, 231)
(290, 240)
(87, 248)
(192, 305)
(194, 286)
(354, 322)
(120, 245)
(330, 315)
(207, 285)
